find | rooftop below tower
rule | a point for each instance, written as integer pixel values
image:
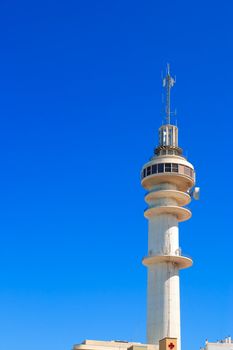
(113, 345)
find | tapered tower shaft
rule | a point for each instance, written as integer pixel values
(168, 178)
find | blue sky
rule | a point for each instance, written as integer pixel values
(80, 105)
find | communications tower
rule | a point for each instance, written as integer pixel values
(168, 178)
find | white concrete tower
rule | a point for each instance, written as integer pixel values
(168, 178)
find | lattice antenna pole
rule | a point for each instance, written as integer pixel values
(168, 83)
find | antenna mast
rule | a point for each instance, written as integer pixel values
(168, 83)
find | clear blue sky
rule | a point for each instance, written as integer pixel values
(80, 105)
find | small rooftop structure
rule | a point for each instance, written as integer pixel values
(225, 344)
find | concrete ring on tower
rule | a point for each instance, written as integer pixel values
(182, 198)
(182, 214)
(181, 261)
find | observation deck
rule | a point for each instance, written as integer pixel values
(168, 170)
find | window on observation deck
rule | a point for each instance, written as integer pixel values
(174, 168)
(187, 171)
(148, 171)
(181, 169)
(168, 167)
(154, 169)
(160, 168)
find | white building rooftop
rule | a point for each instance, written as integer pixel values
(113, 345)
(226, 344)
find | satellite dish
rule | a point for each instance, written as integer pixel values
(196, 193)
